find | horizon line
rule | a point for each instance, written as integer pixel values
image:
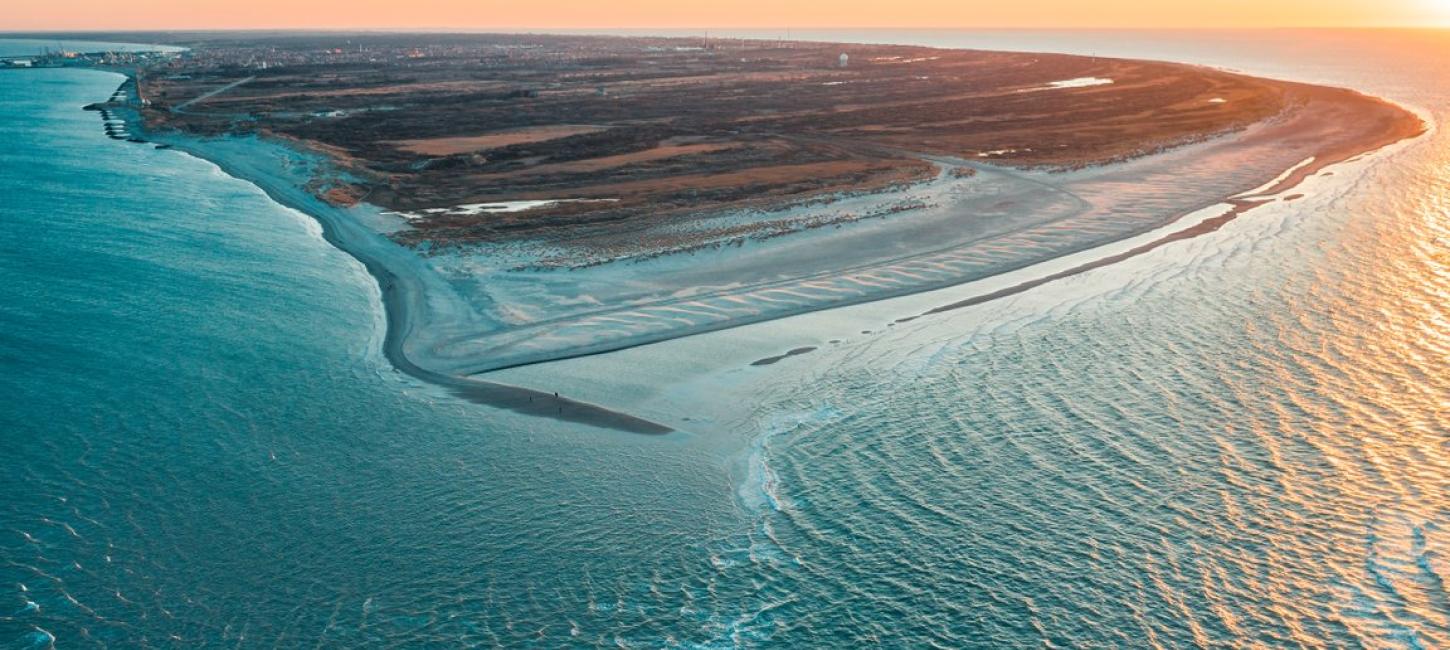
(544, 29)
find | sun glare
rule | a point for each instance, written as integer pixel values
(1438, 12)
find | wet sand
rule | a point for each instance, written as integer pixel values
(487, 393)
(781, 357)
(1206, 226)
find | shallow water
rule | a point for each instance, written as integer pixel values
(1241, 440)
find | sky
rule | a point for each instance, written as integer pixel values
(616, 14)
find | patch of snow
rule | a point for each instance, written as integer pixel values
(898, 59)
(1080, 82)
(998, 152)
(500, 207)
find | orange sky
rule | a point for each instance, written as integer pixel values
(561, 14)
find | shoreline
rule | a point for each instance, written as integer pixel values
(408, 296)
(402, 294)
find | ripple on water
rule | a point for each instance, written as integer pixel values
(1252, 450)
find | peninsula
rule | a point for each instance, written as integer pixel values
(529, 198)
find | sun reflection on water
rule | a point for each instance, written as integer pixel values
(1255, 451)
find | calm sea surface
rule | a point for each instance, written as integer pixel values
(203, 446)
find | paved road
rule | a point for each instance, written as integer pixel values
(181, 108)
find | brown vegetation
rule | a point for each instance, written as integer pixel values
(673, 128)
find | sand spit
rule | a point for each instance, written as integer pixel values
(1206, 226)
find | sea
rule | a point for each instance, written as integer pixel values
(1244, 442)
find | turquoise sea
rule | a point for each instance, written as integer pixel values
(204, 446)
